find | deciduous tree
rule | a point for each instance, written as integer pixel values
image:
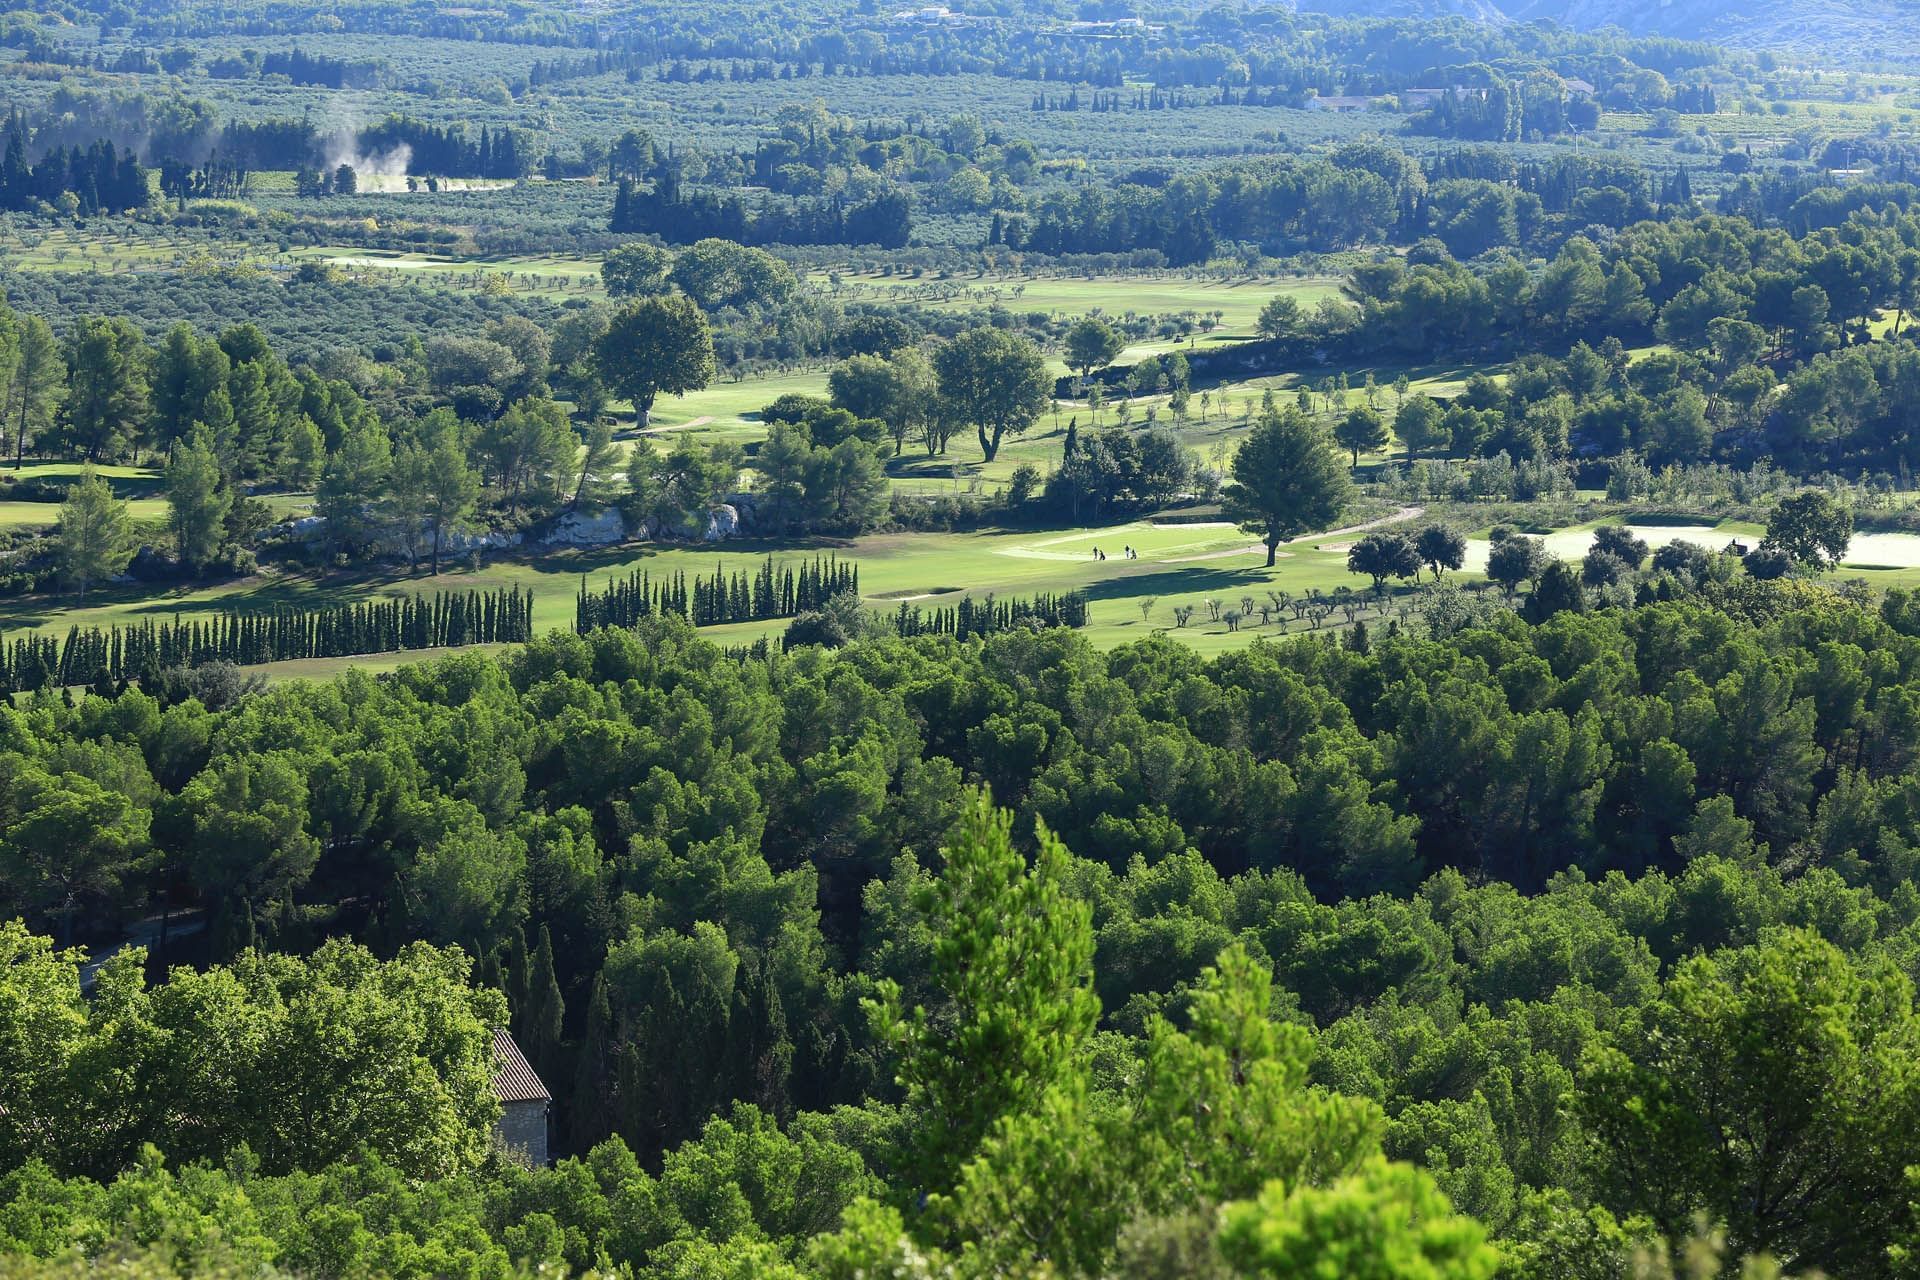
(653, 345)
(996, 380)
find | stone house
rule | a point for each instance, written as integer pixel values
(524, 1102)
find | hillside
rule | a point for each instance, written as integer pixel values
(1843, 30)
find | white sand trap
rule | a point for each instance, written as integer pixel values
(398, 264)
(1892, 550)
(1572, 544)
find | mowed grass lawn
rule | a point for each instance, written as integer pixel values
(1155, 294)
(1178, 564)
(729, 412)
(141, 487)
(571, 276)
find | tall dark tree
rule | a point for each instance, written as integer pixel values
(1286, 480)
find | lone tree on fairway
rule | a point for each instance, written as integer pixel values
(998, 381)
(1811, 528)
(1286, 480)
(450, 490)
(1420, 424)
(652, 345)
(1092, 344)
(1440, 548)
(197, 502)
(95, 535)
(1361, 431)
(1384, 555)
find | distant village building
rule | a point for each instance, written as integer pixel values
(524, 1102)
(1114, 27)
(935, 15)
(1578, 88)
(1339, 104)
(1422, 98)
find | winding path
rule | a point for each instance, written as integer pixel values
(688, 425)
(1259, 548)
(1396, 517)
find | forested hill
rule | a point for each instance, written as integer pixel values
(1547, 908)
(1841, 30)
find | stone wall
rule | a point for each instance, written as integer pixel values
(523, 1130)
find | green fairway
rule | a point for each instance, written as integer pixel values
(1147, 294)
(140, 486)
(526, 273)
(1195, 565)
(729, 412)
(1177, 564)
(20, 515)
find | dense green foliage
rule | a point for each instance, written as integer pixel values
(1474, 868)
(1559, 925)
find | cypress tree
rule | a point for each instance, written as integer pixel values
(546, 1007)
(587, 1118)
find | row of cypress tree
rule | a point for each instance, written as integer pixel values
(988, 616)
(768, 592)
(445, 619)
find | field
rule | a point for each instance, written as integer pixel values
(1232, 303)
(1180, 562)
(537, 242)
(1650, 824)
(1194, 565)
(1190, 563)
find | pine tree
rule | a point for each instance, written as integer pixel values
(197, 502)
(1012, 958)
(95, 533)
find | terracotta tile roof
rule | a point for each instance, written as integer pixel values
(513, 1077)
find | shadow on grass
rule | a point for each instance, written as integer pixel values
(1384, 375)
(908, 467)
(1176, 582)
(731, 553)
(136, 603)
